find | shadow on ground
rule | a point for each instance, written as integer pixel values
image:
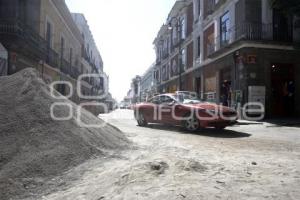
(208, 132)
(287, 122)
(249, 123)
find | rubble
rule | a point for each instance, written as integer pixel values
(33, 145)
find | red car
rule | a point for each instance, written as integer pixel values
(184, 110)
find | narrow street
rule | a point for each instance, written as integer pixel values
(248, 161)
(74, 73)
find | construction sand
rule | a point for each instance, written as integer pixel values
(33, 146)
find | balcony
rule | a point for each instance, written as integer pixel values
(52, 58)
(209, 7)
(25, 39)
(66, 68)
(15, 28)
(165, 55)
(263, 33)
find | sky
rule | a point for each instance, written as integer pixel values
(124, 31)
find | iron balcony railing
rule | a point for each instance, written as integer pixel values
(209, 7)
(52, 58)
(69, 69)
(16, 29)
(250, 32)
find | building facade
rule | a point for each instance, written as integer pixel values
(240, 51)
(91, 60)
(44, 35)
(174, 49)
(90, 52)
(135, 93)
(148, 84)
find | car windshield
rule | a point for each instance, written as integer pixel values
(187, 98)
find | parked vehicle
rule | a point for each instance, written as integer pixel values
(122, 105)
(184, 110)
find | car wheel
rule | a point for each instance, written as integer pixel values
(191, 124)
(141, 120)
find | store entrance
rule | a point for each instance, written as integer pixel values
(283, 90)
(225, 87)
(198, 86)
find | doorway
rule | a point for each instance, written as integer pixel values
(225, 87)
(198, 89)
(283, 90)
(282, 27)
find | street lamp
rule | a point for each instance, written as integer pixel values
(178, 25)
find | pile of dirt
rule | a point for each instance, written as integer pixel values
(33, 145)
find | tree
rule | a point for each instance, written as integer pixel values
(287, 6)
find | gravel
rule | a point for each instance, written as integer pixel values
(33, 146)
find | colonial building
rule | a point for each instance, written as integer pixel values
(248, 54)
(148, 84)
(174, 49)
(91, 60)
(46, 36)
(42, 35)
(135, 90)
(235, 52)
(90, 51)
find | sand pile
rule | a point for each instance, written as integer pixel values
(32, 144)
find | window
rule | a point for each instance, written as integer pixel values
(169, 43)
(209, 41)
(183, 58)
(174, 35)
(174, 69)
(209, 7)
(71, 56)
(183, 27)
(198, 7)
(225, 29)
(62, 47)
(198, 47)
(49, 35)
(157, 75)
(101, 84)
(169, 70)
(164, 73)
(87, 51)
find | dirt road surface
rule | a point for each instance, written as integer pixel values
(248, 161)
